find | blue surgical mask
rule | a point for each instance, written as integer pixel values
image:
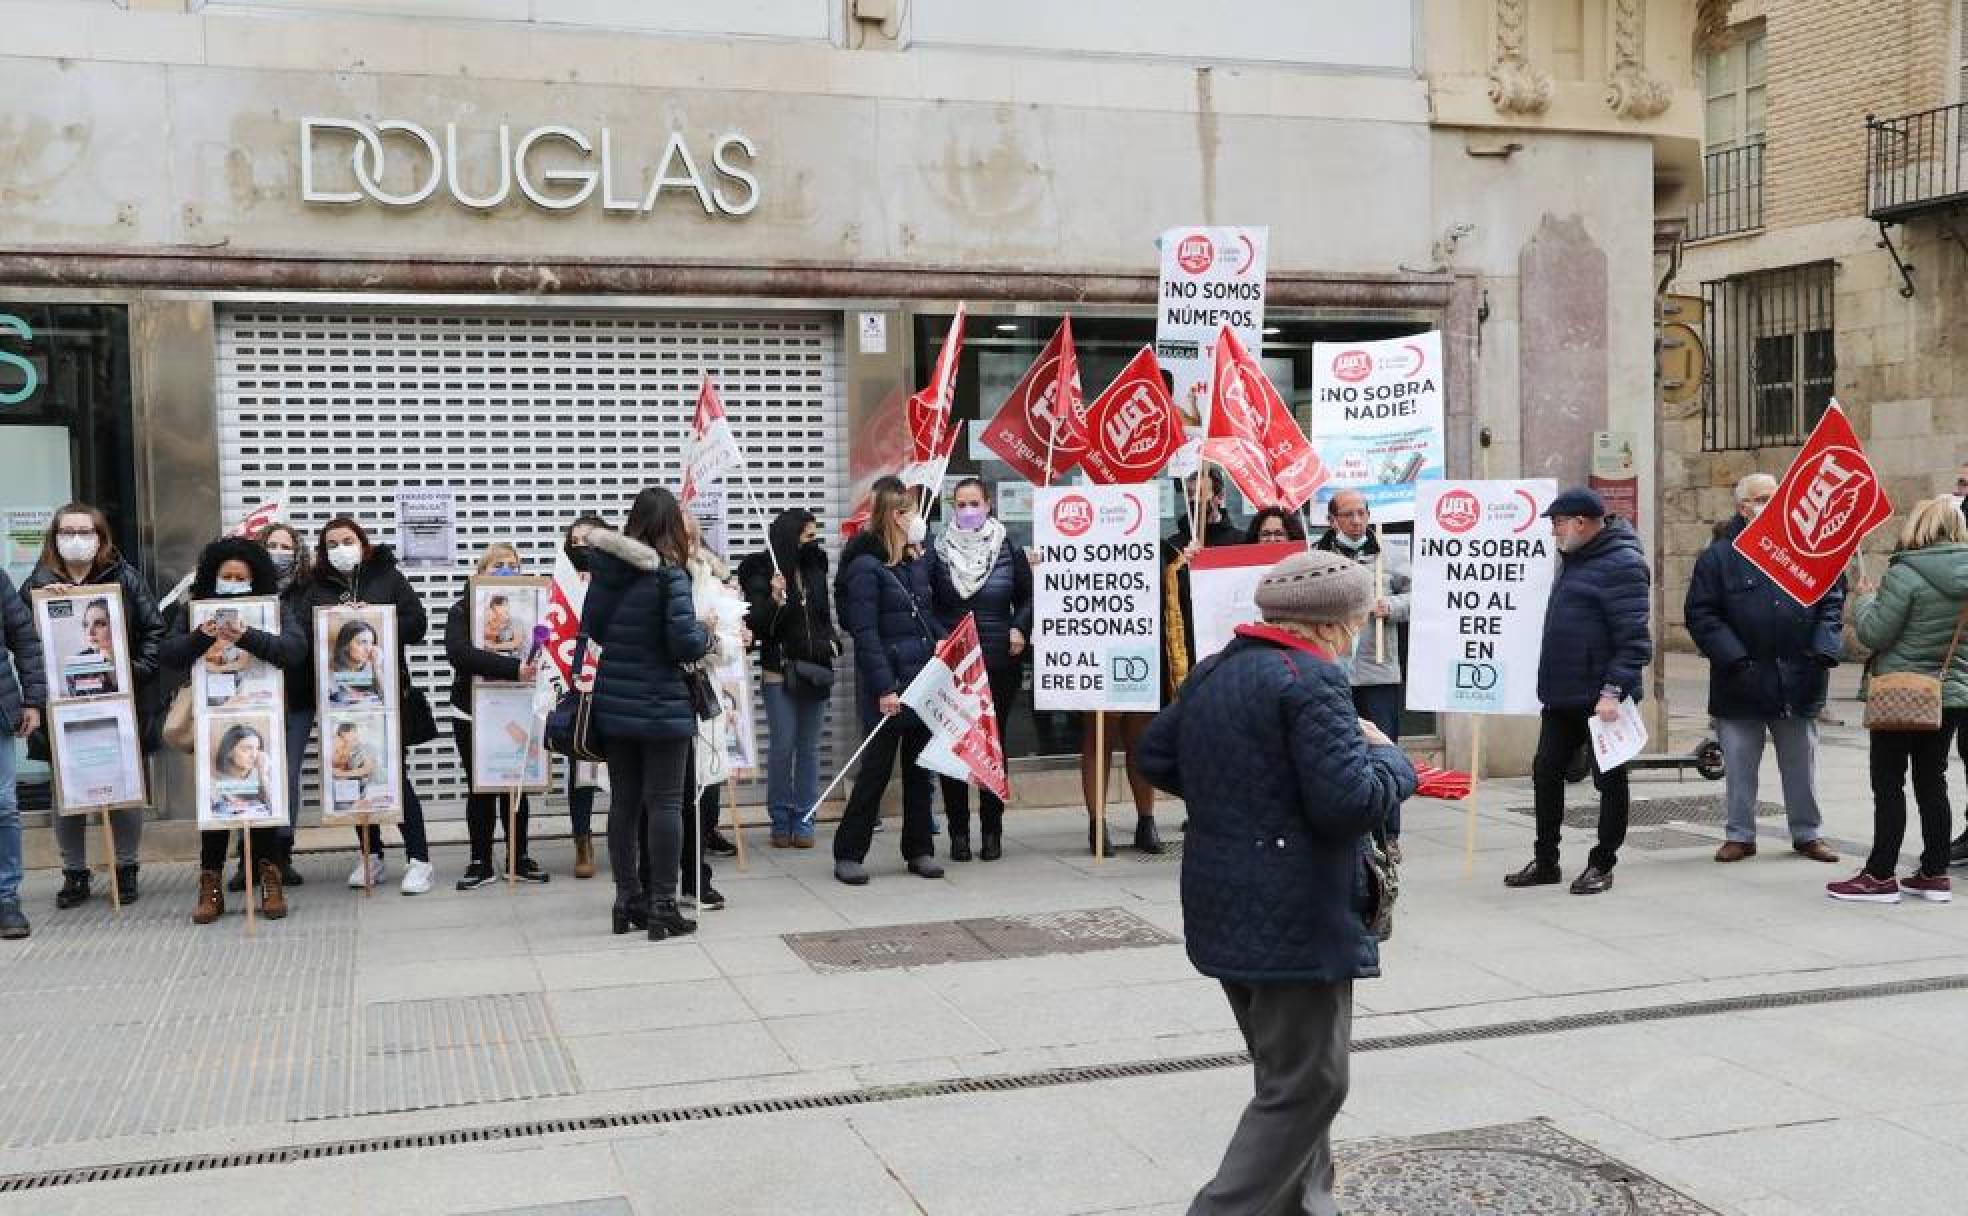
(503, 571)
(232, 586)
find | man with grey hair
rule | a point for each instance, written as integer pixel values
(1770, 661)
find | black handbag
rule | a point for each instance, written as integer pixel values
(809, 681)
(704, 699)
(571, 729)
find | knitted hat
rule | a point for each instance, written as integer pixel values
(1316, 587)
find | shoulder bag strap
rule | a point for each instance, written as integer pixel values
(1947, 663)
(928, 634)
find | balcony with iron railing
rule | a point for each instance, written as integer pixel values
(1915, 163)
(1732, 200)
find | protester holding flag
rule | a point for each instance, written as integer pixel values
(888, 608)
(1273, 526)
(1913, 622)
(710, 578)
(869, 540)
(976, 570)
(78, 551)
(793, 624)
(583, 778)
(470, 662)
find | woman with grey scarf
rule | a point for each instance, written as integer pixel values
(975, 569)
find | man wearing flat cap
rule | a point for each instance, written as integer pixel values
(1595, 646)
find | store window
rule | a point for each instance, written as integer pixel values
(997, 350)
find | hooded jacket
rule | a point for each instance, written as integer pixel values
(1595, 624)
(802, 627)
(146, 628)
(183, 646)
(377, 580)
(639, 611)
(1768, 655)
(1366, 671)
(1909, 621)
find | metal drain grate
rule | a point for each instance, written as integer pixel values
(958, 941)
(955, 1086)
(1659, 839)
(1582, 809)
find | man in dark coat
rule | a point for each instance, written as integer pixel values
(1284, 784)
(1769, 662)
(1595, 646)
(23, 692)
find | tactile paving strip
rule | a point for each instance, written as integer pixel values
(954, 941)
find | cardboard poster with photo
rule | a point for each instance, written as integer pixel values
(355, 658)
(86, 641)
(362, 762)
(229, 677)
(733, 679)
(504, 609)
(508, 740)
(98, 756)
(242, 769)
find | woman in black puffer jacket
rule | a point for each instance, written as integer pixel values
(786, 594)
(639, 611)
(975, 569)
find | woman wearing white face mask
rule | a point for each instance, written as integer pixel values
(348, 569)
(471, 659)
(974, 568)
(79, 552)
(236, 566)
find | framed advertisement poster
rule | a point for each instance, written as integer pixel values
(508, 740)
(86, 641)
(363, 759)
(504, 610)
(228, 677)
(98, 757)
(355, 658)
(242, 769)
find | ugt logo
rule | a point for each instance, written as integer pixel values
(1829, 501)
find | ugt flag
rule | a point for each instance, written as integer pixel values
(929, 410)
(1041, 430)
(952, 695)
(1253, 435)
(1133, 428)
(713, 449)
(1830, 499)
(563, 624)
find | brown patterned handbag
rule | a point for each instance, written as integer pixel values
(1908, 700)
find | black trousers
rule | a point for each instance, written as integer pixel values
(905, 737)
(268, 845)
(1005, 680)
(1925, 752)
(1561, 732)
(485, 814)
(697, 826)
(646, 780)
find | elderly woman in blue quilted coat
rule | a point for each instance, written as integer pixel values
(1284, 786)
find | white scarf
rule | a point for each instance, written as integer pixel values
(970, 555)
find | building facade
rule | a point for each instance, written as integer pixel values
(329, 251)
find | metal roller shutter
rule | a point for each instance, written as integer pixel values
(531, 416)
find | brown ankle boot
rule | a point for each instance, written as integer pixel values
(273, 894)
(211, 897)
(584, 856)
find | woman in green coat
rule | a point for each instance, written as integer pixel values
(1911, 621)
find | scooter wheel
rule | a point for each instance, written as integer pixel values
(1708, 760)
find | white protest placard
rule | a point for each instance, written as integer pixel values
(1097, 604)
(426, 525)
(1223, 589)
(1616, 742)
(1211, 277)
(1377, 419)
(1483, 565)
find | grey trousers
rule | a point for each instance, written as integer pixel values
(1280, 1159)
(72, 836)
(1797, 765)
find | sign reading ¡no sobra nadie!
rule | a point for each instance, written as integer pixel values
(345, 162)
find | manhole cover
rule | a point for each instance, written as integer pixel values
(961, 941)
(1519, 1169)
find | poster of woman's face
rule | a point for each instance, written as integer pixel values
(241, 770)
(84, 638)
(504, 610)
(98, 758)
(226, 676)
(355, 657)
(362, 775)
(508, 746)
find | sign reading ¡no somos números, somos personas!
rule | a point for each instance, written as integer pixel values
(553, 167)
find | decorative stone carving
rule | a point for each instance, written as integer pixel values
(1630, 91)
(1515, 86)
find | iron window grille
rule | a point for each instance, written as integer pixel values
(1733, 198)
(1772, 356)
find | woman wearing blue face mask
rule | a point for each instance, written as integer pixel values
(290, 565)
(476, 658)
(974, 568)
(228, 567)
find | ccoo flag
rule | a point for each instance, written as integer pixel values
(952, 696)
(713, 450)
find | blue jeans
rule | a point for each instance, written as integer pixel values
(792, 760)
(10, 829)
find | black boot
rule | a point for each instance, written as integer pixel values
(629, 913)
(993, 847)
(959, 845)
(75, 889)
(666, 921)
(126, 884)
(1146, 838)
(1106, 841)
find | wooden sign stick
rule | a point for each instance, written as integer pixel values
(109, 863)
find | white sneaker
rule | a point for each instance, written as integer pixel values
(356, 879)
(417, 877)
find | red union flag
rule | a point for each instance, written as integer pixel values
(713, 449)
(1133, 429)
(260, 518)
(1829, 500)
(1253, 435)
(952, 695)
(1041, 430)
(929, 410)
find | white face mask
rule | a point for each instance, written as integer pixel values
(917, 530)
(77, 549)
(233, 586)
(1351, 542)
(345, 558)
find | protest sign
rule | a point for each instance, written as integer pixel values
(1829, 499)
(1223, 589)
(1097, 632)
(1211, 278)
(1377, 419)
(1483, 565)
(426, 525)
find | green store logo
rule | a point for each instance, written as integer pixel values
(30, 376)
